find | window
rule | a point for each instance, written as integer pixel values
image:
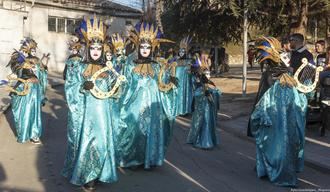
(52, 24)
(62, 25)
(70, 26)
(128, 22)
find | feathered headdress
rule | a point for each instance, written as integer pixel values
(204, 62)
(185, 43)
(28, 44)
(74, 43)
(117, 42)
(93, 29)
(16, 60)
(106, 48)
(147, 32)
(268, 48)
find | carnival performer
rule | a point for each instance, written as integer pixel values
(145, 121)
(117, 44)
(206, 103)
(268, 76)
(184, 90)
(95, 160)
(278, 121)
(28, 93)
(75, 99)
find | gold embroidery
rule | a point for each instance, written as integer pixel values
(92, 69)
(144, 70)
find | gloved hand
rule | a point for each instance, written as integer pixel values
(174, 80)
(88, 85)
(207, 93)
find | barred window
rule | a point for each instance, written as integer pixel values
(70, 26)
(61, 25)
(52, 24)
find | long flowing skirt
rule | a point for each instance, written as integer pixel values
(278, 124)
(204, 120)
(27, 113)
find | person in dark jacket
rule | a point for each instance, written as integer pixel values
(299, 51)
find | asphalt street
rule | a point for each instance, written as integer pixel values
(227, 168)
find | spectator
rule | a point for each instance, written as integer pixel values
(326, 72)
(286, 44)
(286, 51)
(250, 54)
(321, 54)
(299, 51)
(212, 58)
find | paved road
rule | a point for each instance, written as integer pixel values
(230, 167)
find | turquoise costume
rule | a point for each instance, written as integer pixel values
(91, 151)
(75, 101)
(145, 128)
(184, 90)
(96, 155)
(27, 110)
(204, 119)
(278, 123)
(146, 120)
(27, 96)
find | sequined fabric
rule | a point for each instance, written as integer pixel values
(278, 124)
(27, 110)
(145, 127)
(204, 120)
(75, 102)
(184, 89)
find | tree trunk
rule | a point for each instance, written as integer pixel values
(327, 30)
(300, 25)
(159, 11)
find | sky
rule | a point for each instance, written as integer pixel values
(131, 3)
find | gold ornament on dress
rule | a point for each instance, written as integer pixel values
(26, 86)
(304, 74)
(97, 92)
(165, 87)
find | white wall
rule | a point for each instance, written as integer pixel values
(11, 32)
(48, 42)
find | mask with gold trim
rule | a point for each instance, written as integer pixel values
(117, 43)
(28, 45)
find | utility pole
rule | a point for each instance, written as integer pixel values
(244, 49)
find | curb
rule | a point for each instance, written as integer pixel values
(308, 162)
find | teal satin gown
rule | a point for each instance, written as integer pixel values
(75, 102)
(95, 151)
(202, 133)
(278, 124)
(43, 82)
(27, 110)
(184, 90)
(145, 126)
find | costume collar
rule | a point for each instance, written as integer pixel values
(301, 49)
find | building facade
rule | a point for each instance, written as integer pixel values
(52, 23)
